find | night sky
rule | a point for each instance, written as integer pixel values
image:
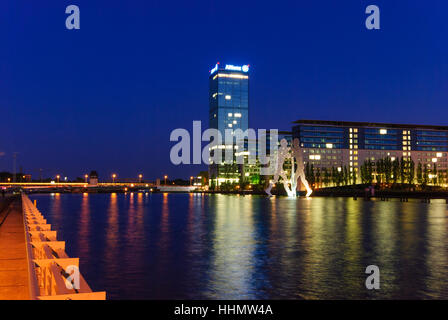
(107, 96)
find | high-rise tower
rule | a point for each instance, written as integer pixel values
(229, 109)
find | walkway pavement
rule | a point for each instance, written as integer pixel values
(14, 284)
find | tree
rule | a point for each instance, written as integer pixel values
(379, 170)
(440, 177)
(370, 172)
(396, 170)
(354, 176)
(387, 169)
(402, 170)
(363, 170)
(346, 176)
(411, 172)
(255, 179)
(327, 176)
(317, 177)
(419, 173)
(334, 177)
(434, 174)
(425, 175)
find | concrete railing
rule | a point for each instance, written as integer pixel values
(53, 274)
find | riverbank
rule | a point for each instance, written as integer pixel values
(356, 191)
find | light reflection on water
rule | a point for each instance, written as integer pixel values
(192, 246)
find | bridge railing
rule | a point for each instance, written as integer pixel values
(53, 274)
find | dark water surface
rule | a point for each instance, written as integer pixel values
(188, 246)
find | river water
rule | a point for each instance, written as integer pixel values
(193, 246)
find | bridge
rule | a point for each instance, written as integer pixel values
(33, 262)
(84, 187)
(76, 184)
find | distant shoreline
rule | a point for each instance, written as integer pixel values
(357, 191)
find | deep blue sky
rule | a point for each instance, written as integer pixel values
(106, 97)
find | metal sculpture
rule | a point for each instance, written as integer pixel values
(297, 169)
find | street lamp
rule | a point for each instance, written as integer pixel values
(57, 177)
(113, 178)
(86, 176)
(166, 177)
(191, 181)
(140, 176)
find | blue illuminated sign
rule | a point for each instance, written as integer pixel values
(231, 67)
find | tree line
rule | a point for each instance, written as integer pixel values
(386, 170)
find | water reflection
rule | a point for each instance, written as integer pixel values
(193, 246)
(84, 226)
(233, 249)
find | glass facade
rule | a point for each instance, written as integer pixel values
(228, 110)
(426, 140)
(371, 138)
(321, 136)
(229, 100)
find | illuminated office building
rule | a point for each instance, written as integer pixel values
(228, 109)
(340, 144)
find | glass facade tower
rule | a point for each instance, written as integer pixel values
(228, 110)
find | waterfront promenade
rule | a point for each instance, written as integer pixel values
(33, 263)
(14, 282)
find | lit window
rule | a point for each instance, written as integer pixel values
(234, 121)
(439, 154)
(229, 114)
(383, 131)
(228, 97)
(434, 159)
(237, 115)
(230, 125)
(232, 75)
